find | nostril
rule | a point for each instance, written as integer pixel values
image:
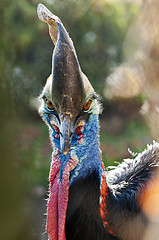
(71, 134)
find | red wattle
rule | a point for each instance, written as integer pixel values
(52, 223)
(58, 199)
(63, 196)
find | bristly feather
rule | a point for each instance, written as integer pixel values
(125, 184)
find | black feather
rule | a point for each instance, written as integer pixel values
(83, 221)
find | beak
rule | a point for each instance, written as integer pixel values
(66, 132)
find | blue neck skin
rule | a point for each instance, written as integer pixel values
(87, 152)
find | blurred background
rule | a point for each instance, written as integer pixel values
(117, 43)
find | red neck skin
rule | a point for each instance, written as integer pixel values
(103, 201)
(58, 199)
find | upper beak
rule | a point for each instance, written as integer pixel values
(66, 132)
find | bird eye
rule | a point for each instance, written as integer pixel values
(87, 105)
(49, 104)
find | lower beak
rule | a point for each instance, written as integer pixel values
(66, 133)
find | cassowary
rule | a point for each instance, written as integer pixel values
(85, 202)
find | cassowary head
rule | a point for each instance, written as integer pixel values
(68, 98)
